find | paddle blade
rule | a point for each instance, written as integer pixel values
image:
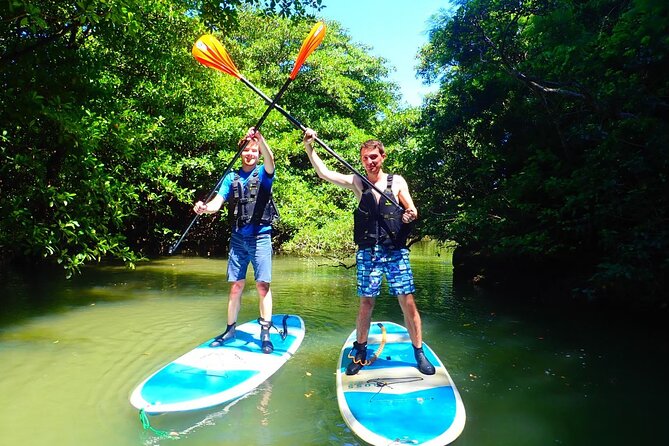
(211, 53)
(312, 41)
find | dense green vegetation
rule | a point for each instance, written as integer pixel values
(544, 149)
(548, 140)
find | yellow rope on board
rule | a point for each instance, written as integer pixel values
(376, 354)
(383, 344)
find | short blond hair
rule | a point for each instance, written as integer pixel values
(241, 141)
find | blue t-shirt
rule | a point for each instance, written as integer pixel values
(266, 181)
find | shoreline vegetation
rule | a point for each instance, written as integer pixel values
(543, 154)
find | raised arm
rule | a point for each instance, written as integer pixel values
(265, 150)
(321, 169)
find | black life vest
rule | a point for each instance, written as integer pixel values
(251, 203)
(379, 223)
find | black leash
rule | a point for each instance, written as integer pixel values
(283, 333)
(388, 382)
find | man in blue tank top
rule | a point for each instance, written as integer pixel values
(380, 231)
(251, 212)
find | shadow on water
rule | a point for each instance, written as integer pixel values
(30, 292)
(529, 374)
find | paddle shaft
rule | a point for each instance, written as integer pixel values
(272, 104)
(297, 124)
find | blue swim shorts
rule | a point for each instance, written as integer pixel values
(375, 262)
(256, 249)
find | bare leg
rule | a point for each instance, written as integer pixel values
(265, 307)
(362, 332)
(234, 303)
(265, 300)
(235, 300)
(411, 319)
(414, 326)
(364, 318)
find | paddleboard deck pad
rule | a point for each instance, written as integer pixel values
(390, 402)
(209, 376)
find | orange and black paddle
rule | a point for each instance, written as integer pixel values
(214, 55)
(209, 51)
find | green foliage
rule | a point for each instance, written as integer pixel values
(548, 139)
(109, 130)
(315, 223)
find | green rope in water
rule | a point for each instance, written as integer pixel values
(144, 418)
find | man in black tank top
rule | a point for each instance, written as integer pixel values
(381, 230)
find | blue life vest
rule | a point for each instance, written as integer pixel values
(251, 203)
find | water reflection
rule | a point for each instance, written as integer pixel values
(72, 351)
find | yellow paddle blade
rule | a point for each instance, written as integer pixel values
(312, 41)
(211, 53)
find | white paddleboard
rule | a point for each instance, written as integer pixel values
(209, 376)
(390, 402)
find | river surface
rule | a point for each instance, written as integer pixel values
(72, 351)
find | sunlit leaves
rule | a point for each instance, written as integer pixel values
(101, 109)
(110, 130)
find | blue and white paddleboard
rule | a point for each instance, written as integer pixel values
(390, 402)
(209, 376)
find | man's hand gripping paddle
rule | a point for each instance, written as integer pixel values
(209, 51)
(214, 55)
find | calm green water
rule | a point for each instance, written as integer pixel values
(72, 351)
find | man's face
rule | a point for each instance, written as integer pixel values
(250, 153)
(372, 160)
